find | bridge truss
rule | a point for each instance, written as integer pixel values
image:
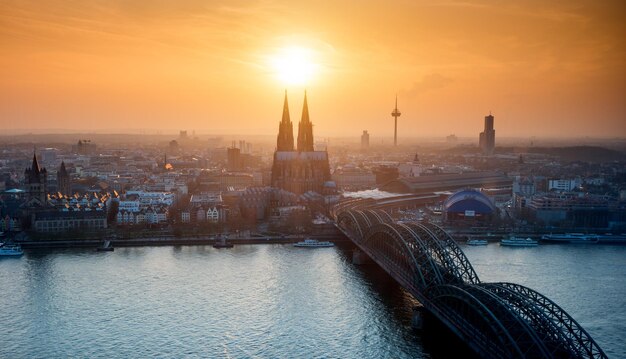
(498, 320)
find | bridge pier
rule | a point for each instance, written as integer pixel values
(417, 321)
(359, 257)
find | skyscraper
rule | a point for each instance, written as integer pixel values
(487, 138)
(304, 169)
(365, 140)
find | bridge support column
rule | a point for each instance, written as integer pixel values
(417, 321)
(358, 257)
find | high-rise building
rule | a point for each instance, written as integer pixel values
(64, 185)
(365, 140)
(233, 157)
(304, 169)
(487, 138)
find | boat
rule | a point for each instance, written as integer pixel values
(220, 242)
(106, 247)
(570, 238)
(518, 242)
(11, 250)
(312, 243)
(477, 242)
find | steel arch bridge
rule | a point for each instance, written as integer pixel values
(497, 320)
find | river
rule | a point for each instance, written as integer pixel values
(268, 301)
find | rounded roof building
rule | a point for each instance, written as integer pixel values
(469, 200)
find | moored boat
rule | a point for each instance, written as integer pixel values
(11, 250)
(477, 242)
(312, 243)
(570, 238)
(518, 242)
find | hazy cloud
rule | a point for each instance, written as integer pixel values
(428, 83)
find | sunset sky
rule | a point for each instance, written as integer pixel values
(544, 68)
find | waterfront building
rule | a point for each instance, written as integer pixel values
(468, 204)
(55, 221)
(303, 169)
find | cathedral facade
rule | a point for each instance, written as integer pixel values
(298, 169)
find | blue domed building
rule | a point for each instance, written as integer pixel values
(468, 204)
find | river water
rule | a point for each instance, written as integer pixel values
(268, 301)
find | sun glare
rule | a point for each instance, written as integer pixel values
(294, 65)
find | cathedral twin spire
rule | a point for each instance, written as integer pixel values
(305, 130)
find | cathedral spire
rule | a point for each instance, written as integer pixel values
(305, 129)
(35, 166)
(285, 130)
(286, 118)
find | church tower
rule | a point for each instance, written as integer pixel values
(63, 181)
(305, 130)
(303, 169)
(36, 179)
(285, 130)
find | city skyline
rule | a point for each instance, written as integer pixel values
(543, 69)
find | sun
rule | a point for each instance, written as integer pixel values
(294, 65)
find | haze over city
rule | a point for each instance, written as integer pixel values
(543, 69)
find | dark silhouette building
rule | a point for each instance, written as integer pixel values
(487, 138)
(234, 159)
(36, 180)
(365, 140)
(285, 130)
(64, 184)
(304, 169)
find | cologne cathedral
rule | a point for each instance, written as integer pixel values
(298, 169)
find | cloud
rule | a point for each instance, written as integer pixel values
(428, 83)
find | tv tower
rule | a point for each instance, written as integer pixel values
(396, 113)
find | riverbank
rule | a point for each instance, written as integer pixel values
(170, 241)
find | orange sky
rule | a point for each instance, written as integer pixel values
(544, 68)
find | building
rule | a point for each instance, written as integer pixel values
(234, 160)
(411, 169)
(468, 204)
(564, 185)
(303, 169)
(365, 140)
(63, 180)
(48, 155)
(450, 182)
(36, 181)
(351, 178)
(84, 147)
(55, 221)
(487, 138)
